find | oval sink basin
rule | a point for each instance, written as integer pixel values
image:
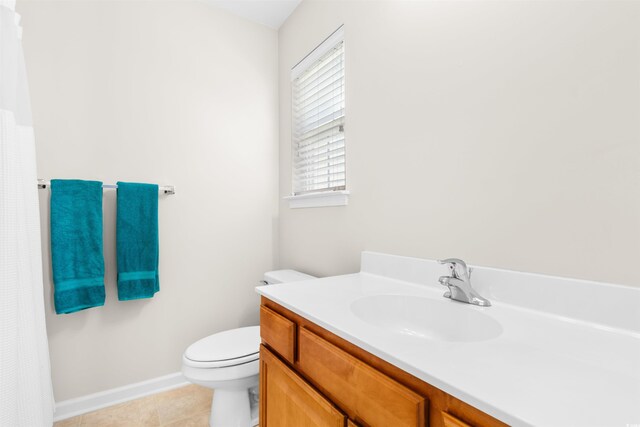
(426, 318)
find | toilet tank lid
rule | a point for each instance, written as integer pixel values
(285, 276)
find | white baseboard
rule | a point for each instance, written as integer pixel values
(91, 402)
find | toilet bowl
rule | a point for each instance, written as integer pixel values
(228, 362)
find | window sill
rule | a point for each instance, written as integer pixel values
(318, 200)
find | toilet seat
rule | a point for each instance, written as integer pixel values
(225, 349)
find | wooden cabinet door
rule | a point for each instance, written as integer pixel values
(286, 400)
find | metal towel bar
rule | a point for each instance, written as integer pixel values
(164, 189)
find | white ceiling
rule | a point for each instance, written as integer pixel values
(271, 13)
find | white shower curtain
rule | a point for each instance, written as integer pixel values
(26, 397)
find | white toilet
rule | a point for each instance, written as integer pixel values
(228, 362)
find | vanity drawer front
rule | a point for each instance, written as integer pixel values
(451, 421)
(366, 395)
(278, 332)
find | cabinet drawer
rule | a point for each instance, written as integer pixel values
(451, 421)
(287, 400)
(366, 395)
(278, 332)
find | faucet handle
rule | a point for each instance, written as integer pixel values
(454, 262)
(464, 271)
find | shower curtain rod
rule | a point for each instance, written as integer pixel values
(165, 189)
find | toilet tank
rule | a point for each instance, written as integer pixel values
(284, 276)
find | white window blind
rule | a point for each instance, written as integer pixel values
(318, 119)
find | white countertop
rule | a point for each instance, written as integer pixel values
(543, 369)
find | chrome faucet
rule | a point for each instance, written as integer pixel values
(459, 283)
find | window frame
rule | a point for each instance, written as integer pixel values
(321, 197)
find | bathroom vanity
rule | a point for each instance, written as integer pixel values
(384, 348)
(311, 377)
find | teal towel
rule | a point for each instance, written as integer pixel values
(76, 244)
(137, 241)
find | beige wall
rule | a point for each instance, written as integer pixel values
(172, 93)
(503, 133)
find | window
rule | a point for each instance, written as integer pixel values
(318, 116)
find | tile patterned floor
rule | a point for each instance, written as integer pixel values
(187, 406)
